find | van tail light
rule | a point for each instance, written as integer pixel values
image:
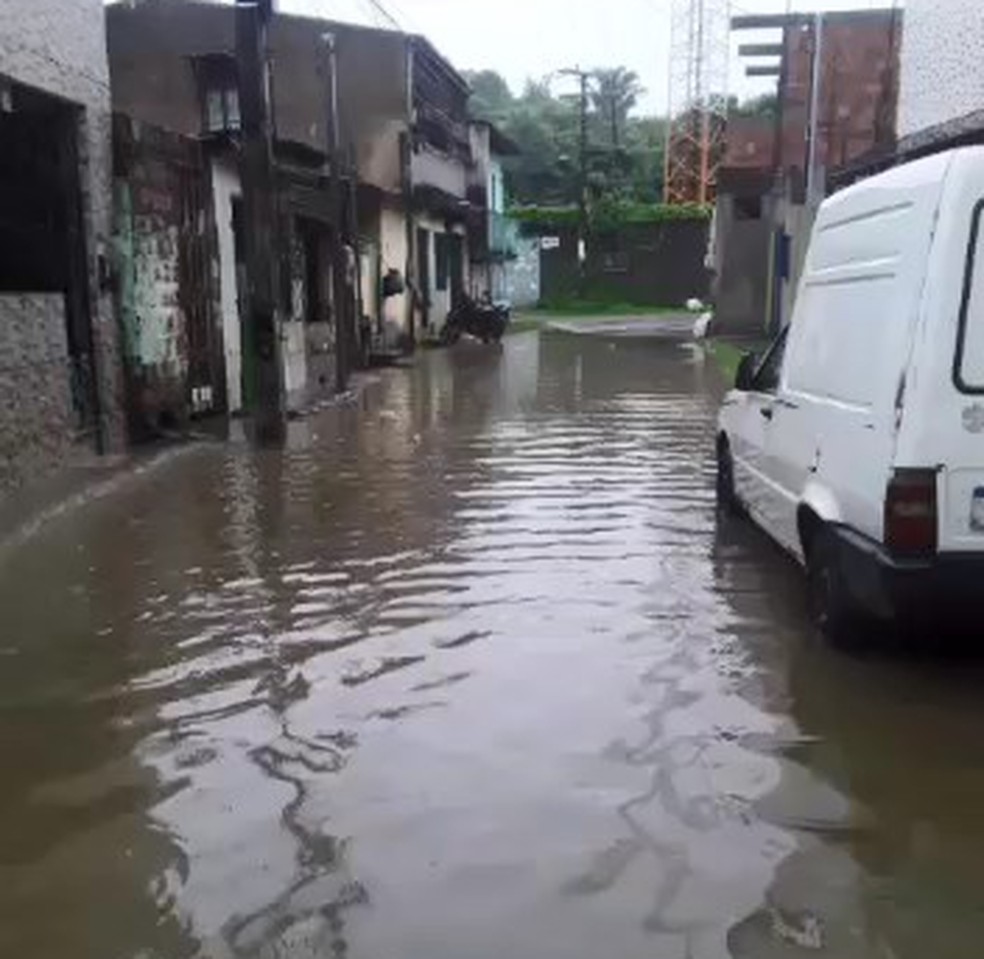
(910, 512)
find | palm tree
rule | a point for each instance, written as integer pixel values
(616, 92)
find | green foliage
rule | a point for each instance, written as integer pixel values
(766, 105)
(607, 213)
(491, 97)
(625, 153)
(616, 91)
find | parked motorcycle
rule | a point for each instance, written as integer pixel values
(483, 319)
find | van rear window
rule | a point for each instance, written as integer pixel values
(968, 362)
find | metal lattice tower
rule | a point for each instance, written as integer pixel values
(699, 44)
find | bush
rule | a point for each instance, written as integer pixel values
(536, 219)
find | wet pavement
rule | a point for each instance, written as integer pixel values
(468, 671)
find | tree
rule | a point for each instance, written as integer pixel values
(625, 153)
(764, 105)
(491, 97)
(645, 141)
(616, 91)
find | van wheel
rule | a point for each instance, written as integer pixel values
(727, 499)
(831, 607)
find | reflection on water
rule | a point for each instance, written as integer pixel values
(468, 669)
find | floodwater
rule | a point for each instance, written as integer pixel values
(468, 671)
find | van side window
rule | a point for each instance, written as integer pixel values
(767, 375)
(968, 362)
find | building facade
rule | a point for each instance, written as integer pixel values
(61, 389)
(403, 132)
(764, 211)
(500, 256)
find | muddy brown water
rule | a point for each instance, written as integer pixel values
(468, 671)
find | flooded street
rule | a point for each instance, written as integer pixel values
(468, 671)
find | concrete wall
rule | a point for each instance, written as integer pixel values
(518, 281)
(741, 283)
(942, 72)
(36, 420)
(429, 166)
(59, 46)
(152, 47)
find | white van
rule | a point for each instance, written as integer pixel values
(857, 440)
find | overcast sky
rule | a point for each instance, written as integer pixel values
(523, 38)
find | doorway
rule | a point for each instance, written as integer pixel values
(423, 274)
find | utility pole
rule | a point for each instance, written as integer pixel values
(261, 350)
(582, 167)
(339, 270)
(814, 188)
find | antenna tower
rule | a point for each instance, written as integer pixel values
(699, 44)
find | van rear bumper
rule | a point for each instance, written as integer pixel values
(941, 586)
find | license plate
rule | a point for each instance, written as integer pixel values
(977, 510)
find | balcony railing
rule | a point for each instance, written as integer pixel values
(446, 173)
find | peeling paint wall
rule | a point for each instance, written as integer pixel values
(161, 231)
(518, 281)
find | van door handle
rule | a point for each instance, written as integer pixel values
(767, 412)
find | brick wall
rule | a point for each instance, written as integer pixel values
(858, 87)
(36, 423)
(59, 47)
(942, 73)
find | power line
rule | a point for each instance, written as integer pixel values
(379, 8)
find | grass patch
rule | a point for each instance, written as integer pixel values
(728, 356)
(595, 308)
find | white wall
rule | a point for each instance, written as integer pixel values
(496, 187)
(225, 188)
(942, 75)
(393, 250)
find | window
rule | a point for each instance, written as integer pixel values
(218, 86)
(221, 109)
(968, 363)
(441, 256)
(748, 208)
(770, 369)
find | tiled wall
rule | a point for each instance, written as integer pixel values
(35, 402)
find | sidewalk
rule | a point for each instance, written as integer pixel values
(24, 511)
(640, 326)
